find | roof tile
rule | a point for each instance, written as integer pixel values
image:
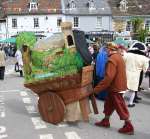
(21, 7)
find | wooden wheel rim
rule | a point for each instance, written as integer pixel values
(51, 108)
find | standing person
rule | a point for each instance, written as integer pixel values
(2, 63)
(147, 75)
(136, 98)
(135, 61)
(18, 56)
(116, 84)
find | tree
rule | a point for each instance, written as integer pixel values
(26, 38)
(137, 24)
(142, 33)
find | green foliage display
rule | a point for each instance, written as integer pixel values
(38, 57)
(27, 38)
(69, 63)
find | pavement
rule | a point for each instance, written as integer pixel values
(20, 118)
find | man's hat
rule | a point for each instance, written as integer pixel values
(111, 46)
(139, 46)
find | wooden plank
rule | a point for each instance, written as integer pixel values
(85, 108)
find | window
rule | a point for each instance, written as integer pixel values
(76, 21)
(36, 22)
(33, 6)
(59, 20)
(72, 4)
(70, 40)
(147, 25)
(14, 23)
(148, 39)
(91, 4)
(129, 26)
(123, 5)
(99, 22)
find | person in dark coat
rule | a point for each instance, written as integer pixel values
(2, 63)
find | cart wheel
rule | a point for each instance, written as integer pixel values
(51, 108)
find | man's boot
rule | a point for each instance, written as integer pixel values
(127, 128)
(103, 123)
(137, 97)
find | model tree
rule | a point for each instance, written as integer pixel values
(26, 41)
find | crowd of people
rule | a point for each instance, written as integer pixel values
(7, 51)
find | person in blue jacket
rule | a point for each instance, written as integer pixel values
(101, 61)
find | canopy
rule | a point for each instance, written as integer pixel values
(8, 40)
(121, 41)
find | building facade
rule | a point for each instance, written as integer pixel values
(43, 17)
(38, 16)
(2, 24)
(88, 15)
(125, 10)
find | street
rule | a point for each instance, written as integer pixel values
(20, 119)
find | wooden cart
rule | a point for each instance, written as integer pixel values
(55, 94)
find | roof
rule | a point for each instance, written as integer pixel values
(135, 7)
(18, 7)
(101, 8)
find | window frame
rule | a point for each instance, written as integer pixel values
(76, 21)
(91, 4)
(33, 6)
(128, 26)
(59, 20)
(36, 22)
(147, 25)
(99, 22)
(14, 22)
(123, 5)
(72, 4)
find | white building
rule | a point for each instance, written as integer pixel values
(88, 15)
(44, 17)
(38, 16)
(42, 25)
(125, 10)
